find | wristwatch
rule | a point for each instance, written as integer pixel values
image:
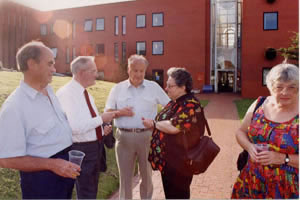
(287, 159)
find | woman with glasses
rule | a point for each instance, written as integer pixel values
(167, 153)
(272, 172)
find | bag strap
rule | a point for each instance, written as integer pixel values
(206, 126)
(258, 104)
(205, 121)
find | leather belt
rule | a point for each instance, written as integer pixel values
(83, 143)
(62, 152)
(135, 130)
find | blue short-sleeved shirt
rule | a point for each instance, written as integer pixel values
(31, 124)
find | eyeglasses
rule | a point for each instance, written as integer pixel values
(171, 86)
(279, 88)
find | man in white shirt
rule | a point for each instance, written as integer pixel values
(86, 123)
(132, 100)
(35, 136)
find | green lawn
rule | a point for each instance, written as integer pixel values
(9, 179)
(204, 103)
(242, 106)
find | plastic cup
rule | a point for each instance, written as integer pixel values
(76, 156)
(261, 147)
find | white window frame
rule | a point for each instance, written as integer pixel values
(54, 51)
(116, 51)
(73, 29)
(100, 24)
(141, 49)
(155, 18)
(141, 21)
(43, 29)
(155, 47)
(88, 25)
(67, 55)
(116, 25)
(124, 52)
(123, 25)
(74, 53)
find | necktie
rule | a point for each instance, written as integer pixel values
(98, 129)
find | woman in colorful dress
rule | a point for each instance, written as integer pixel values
(272, 173)
(167, 153)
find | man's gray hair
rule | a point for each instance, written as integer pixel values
(80, 62)
(282, 73)
(31, 50)
(137, 58)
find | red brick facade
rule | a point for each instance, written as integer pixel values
(256, 40)
(15, 30)
(185, 34)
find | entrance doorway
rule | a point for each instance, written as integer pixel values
(225, 42)
(226, 81)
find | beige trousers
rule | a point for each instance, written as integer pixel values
(129, 147)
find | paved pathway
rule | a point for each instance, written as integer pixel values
(217, 181)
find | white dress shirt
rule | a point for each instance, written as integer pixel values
(31, 124)
(73, 102)
(143, 99)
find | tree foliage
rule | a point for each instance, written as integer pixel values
(291, 52)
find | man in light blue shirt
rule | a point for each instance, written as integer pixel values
(132, 100)
(34, 133)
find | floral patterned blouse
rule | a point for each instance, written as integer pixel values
(168, 148)
(258, 181)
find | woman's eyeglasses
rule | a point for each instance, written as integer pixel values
(171, 86)
(279, 88)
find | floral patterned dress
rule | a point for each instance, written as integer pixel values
(270, 181)
(169, 148)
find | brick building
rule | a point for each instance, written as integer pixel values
(221, 42)
(15, 25)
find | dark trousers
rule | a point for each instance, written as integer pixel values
(176, 184)
(46, 184)
(87, 182)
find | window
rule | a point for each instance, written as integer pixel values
(25, 23)
(141, 21)
(52, 28)
(123, 52)
(99, 49)
(100, 24)
(20, 21)
(265, 72)
(74, 53)
(54, 51)
(25, 28)
(67, 55)
(123, 25)
(116, 52)
(157, 47)
(88, 25)
(157, 19)
(141, 48)
(43, 29)
(68, 29)
(73, 29)
(116, 25)
(271, 21)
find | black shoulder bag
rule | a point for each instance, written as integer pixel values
(243, 156)
(202, 154)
